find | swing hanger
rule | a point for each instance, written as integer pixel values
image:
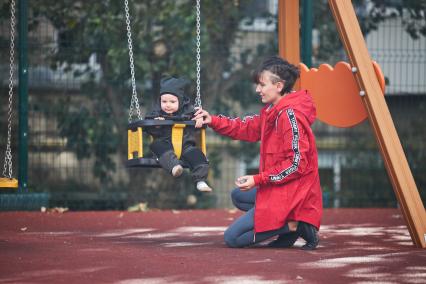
(136, 128)
(7, 180)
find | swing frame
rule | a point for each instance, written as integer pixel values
(371, 96)
(7, 181)
(135, 129)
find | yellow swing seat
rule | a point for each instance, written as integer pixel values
(8, 182)
(135, 158)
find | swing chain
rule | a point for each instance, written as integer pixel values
(7, 169)
(134, 103)
(198, 55)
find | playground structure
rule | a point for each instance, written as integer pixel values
(370, 86)
(369, 94)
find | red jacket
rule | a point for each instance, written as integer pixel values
(288, 181)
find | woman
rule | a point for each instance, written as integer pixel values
(287, 200)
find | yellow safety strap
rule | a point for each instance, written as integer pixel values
(8, 182)
(177, 138)
(134, 143)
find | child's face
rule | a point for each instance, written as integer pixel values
(269, 92)
(169, 103)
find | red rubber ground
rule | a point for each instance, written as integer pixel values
(357, 245)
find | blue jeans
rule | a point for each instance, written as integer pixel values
(241, 232)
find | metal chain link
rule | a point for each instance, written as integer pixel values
(134, 103)
(198, 55)
(7, 169)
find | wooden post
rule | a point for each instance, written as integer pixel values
(288, 32)
(390, 146)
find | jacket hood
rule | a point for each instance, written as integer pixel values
(302, 102)
(177, 87)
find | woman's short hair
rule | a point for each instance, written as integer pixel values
(281, 69)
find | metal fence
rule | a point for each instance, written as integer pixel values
(79, 92)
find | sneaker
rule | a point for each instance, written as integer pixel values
(310, 234)
(177, 170)
(284, 240)
(203, 186)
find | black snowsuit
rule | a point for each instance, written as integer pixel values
(162, 146)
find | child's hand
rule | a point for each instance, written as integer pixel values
(245, 182)
(160, 118)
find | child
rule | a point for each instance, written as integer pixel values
(174, 105)
(288, 200)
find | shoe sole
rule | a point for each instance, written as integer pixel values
(178, 172)
(310, 246)
(205, 189)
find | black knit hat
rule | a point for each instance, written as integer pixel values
(175, 86)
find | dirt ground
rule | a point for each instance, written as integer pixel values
(357, 246)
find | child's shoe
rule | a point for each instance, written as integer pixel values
(177, 170)
(203, 186)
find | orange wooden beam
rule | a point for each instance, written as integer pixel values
(390, 146)
(288, 32)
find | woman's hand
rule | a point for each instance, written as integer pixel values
(199, 123)
(160, 118)
(245, 182)
(203, 115)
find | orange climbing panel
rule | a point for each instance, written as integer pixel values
(336, 93)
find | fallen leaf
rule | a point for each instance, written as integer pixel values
(232, 211)
(59, 210)
(142, 206)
